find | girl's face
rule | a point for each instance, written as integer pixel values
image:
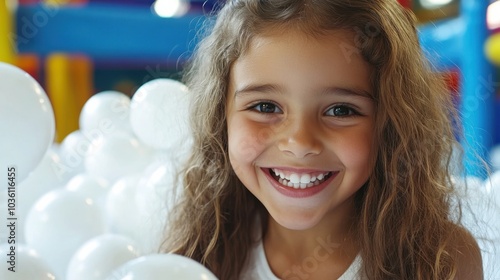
(300, 123)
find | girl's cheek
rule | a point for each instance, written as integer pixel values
(243, 149)
(357, 153)
(246, 143)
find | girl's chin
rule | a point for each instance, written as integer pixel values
(294, 222)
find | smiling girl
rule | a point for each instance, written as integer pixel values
(322, 148)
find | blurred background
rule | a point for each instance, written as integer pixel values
(76, 48)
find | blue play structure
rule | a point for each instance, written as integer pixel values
(106, 33)
(458, 44)
(114, 33)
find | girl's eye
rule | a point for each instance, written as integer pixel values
(267, 108)
(341, 111)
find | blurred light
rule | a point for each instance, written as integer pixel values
(89, 201)
(158, 175)
(171, 8)
(433, 4)
(32, 253)
(493, 15)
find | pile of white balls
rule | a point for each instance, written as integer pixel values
(95, 206)
(480, 202)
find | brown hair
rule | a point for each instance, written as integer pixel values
(404, 224)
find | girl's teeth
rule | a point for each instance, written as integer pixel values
(298, 181)
(278, 174)
(294, 178)
(305, 178)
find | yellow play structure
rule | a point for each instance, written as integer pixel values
(6, 34)
(68, 77)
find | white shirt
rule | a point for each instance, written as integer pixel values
(258, 269)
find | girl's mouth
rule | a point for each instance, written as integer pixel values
(299, 180)
(298, 184)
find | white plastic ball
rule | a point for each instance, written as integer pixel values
(481, 216)
(73, 150)
(117, 155)
(495, 157)
(90, 187)
(100, 256)
(105, 113)
(46, 177)
(492, 187)
(27, 122)
(162, 266)
(159, 114)
(59, 223)
(26, 264)
(158, 194)
(121, 211)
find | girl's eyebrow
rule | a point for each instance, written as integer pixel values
(264, 88)
(271, 88)
(348, 92)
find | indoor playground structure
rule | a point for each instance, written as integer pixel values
(458, 45)
(56, 44)
(105, 152)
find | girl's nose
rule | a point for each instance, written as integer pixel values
(300, 139)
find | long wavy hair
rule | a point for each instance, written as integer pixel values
(404, 217)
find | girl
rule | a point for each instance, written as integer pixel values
(322, 148)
